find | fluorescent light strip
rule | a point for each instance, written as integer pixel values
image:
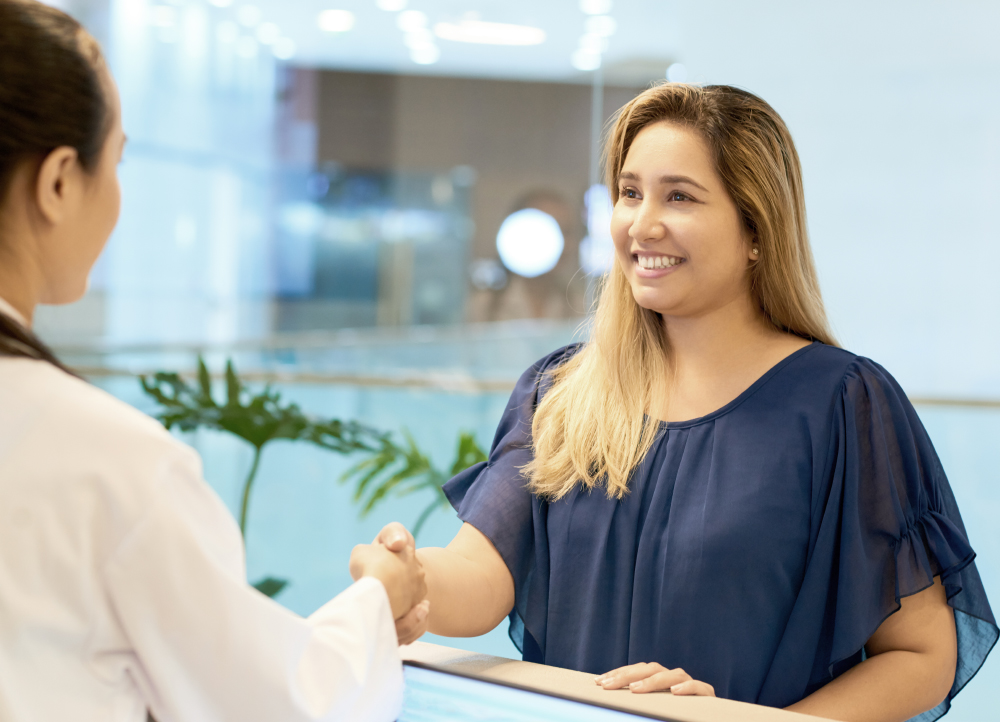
(483, 33)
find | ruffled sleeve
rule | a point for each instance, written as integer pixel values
(493, 497)
(892, 524)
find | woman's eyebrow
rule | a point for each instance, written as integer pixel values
(665, 180)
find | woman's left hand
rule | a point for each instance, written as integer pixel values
(641, 678)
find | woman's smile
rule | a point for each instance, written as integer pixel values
(655, 265)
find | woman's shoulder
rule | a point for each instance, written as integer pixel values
(83, 426)
(832, 367)
(820, 378)
(555, 358)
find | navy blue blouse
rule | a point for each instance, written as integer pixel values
(759, 547)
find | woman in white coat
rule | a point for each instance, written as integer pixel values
(122, 580)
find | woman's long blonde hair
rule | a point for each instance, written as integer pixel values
(591, 426)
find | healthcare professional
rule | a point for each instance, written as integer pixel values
(122, 579)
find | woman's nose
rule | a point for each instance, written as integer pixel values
(646, 224)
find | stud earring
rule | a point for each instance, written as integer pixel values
(756, 251)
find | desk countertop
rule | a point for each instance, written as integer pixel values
(579, 685)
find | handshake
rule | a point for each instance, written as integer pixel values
(392, 559)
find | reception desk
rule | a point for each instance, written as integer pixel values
(580, 686)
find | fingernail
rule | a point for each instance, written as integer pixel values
(675, 687)
(421, 613)
(635, 685)
(598, 680)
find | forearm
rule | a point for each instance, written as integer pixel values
(894, 685)
(465, 601)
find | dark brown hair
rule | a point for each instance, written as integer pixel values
(51, 96)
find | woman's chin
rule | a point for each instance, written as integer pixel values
(657, 302)
(65, 293)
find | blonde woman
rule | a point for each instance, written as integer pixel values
(710, 496)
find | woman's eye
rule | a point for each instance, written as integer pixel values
(628, 193)
(678, 196)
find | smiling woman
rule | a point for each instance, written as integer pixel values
(710, 496)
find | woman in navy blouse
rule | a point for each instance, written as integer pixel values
(710, 496)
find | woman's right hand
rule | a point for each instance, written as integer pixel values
(468, 583)
(400, 573)
(395, 537)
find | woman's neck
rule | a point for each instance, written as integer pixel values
(716, 356)
(715, 338)
(19, 281)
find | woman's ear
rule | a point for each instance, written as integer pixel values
(57, 177)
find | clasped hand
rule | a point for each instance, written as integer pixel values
(392, 559)
(642, 678)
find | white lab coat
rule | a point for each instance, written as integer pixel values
(123, 586)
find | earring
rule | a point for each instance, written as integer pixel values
(756, 251)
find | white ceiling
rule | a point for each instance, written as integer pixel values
(645, 40)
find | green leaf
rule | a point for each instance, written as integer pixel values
(468, 453)
(270, 586)
(233, 385)
(205, 381)
(398, 471)
(385, 469)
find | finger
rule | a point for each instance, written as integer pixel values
(693, 687)
(359, 555)
(411, 626)
(660, 681)
(395, 537)
(624, 676)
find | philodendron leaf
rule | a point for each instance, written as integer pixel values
(255, 418)
(467, 454)
(233, 386)
(270, 586)
(205, 382)
(385, 469)
(394, 470)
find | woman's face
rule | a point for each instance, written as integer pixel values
(678, 235)
(92, 215)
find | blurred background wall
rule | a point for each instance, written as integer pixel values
(317, 189)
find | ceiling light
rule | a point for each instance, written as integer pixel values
(268, 33)
(593, 44)
(284, 49)
(248, 15)
(582, 60)
(162, 16)
(677, 73)
(425, 56)
(392, 6)
(335, 21)
(220, 3)
(411, 20)
(246, 47)
(603, 25)
(227, 32)
(595, 7)
(530, 242)
(477, 31)
(419, 39)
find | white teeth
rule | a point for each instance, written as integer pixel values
(654, 262)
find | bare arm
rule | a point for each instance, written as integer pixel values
(910, 666)
(470, 588)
